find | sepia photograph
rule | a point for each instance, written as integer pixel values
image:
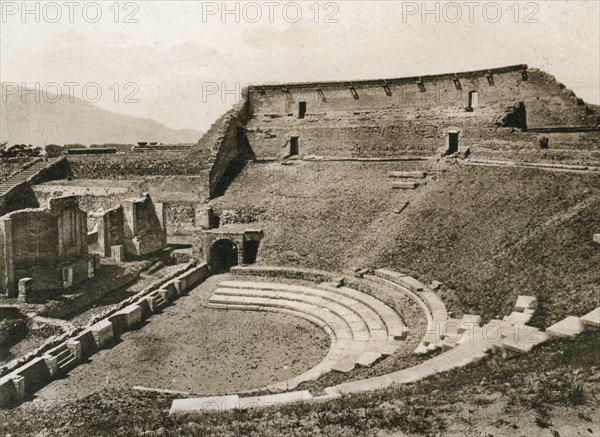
(300, 218)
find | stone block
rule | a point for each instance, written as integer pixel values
(152, 300)
(117, 253)
(145, 306)
(76, 349)
(25, 289)
(569, 327)
(471, 319)
(597, 238)
(592, 319)
(52, 363)
(525, 303)
(215, 403)
(88, 344)
(132, 314)
(518, 318)
(19, 383)
(103, 333)
(405, 185)
(119, 324)
(276, 399)
(168, 293)
(408, 174)
(35, 375)
(8, 393)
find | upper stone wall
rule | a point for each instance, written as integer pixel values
(410, 116)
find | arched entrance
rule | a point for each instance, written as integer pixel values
(223, 256)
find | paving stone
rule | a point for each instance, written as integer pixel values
(592, 318)
(525, 303)
(411, 375)
(366, 359)
(370, 384)
(518, 318)
(276, 399)
(471, 319)
(215, 403)
(405, 185)
(408, 174)
(569, 327)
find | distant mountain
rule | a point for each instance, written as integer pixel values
(79, 122)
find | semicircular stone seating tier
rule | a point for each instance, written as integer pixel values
(508, 336)
(362, 328)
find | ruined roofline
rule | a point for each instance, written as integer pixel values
(382, 82)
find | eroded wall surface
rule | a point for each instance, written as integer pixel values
(411, 116)
(48, 245)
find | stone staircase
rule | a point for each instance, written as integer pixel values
(65, 359)
(407, 180)
(362, 328)
(23, 176)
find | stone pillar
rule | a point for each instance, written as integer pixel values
(8, 275)
(19, 382)
(75, 348)
(118, 253)
(25, 288)
(52, 363)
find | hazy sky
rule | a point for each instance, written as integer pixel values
(180, 59)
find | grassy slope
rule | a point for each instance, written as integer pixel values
(554, 388)
(489, 233)
(495, 233)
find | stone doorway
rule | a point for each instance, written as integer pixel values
(223, 256)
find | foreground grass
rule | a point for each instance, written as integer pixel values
(529, 390)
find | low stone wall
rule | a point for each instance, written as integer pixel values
(23, 377)
(285, 272)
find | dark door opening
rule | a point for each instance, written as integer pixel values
(294, 146)
(452, 143)
(473, 100)
(223, 256)
(301, 110)
(250, 251)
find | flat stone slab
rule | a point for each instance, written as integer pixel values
(518, 318)
(270, 400)
(370, 384)
(597, 238)
(408, 174)
(569, 327)
(215, 403)
(592, 318)
(345, 365)
(401, 279)
(366, 359)
(405, 185)
(525, 303)
(471, 319)
(433, 301)
(411, 375)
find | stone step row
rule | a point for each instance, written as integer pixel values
(407, 174)
(351, 343)
(360, 335)
(432, 306)
(366, 306)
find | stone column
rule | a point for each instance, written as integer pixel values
(25, 289)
